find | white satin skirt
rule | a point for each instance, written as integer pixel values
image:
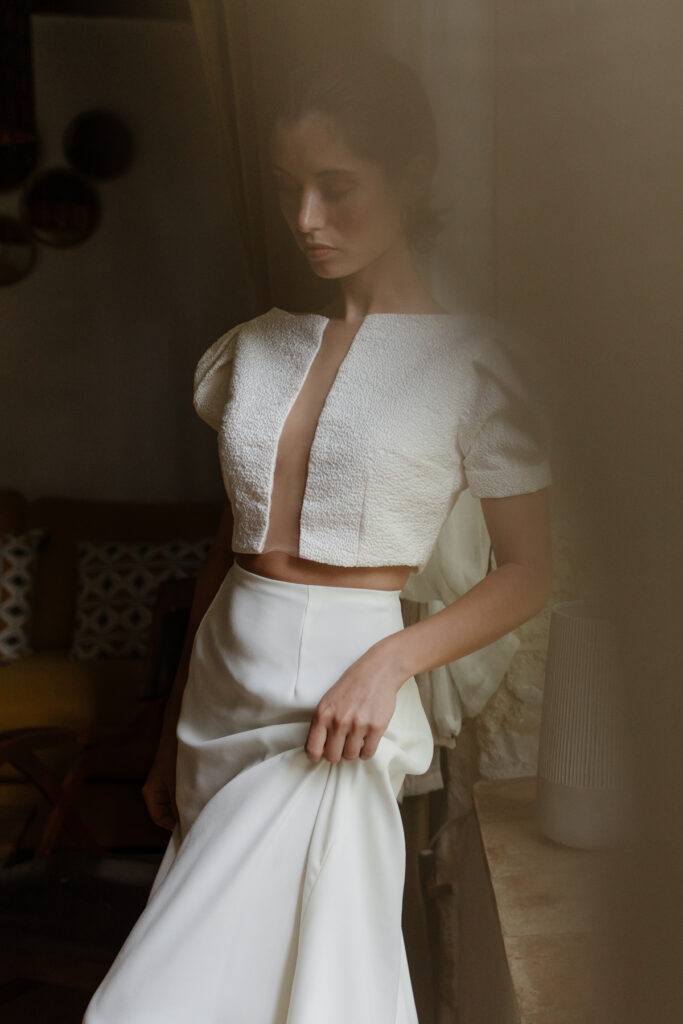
(278, 898)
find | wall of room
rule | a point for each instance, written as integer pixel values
(100, 340)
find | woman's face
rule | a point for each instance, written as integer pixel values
(331, 197)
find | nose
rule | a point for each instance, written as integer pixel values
(311, 213)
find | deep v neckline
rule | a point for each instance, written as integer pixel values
(314, 343)
(343, 364)
(326, 322)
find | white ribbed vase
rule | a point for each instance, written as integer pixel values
(583, 795)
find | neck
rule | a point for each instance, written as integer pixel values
(391, 283)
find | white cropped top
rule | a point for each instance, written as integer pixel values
(357, 458)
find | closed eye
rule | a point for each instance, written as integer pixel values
(337, 193)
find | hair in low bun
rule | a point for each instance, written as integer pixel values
(380, 106)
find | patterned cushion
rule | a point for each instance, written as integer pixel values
(18, 552)
(116, 589)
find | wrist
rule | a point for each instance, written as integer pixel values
(392, 668)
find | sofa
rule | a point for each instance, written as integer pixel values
(48, 687)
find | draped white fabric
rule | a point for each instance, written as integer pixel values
(278, 898)
(451, 45)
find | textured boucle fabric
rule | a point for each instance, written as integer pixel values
(422, 407)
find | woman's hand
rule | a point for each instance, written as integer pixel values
(159, 789)
(353, 715)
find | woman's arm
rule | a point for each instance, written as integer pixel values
(209, 579)
(519, 587)
(352, 716)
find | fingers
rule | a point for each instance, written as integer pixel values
(345, 738)
(161, 807)
(162, 815)
(354, 741)
(165, 820)
(372, 738)
(167, 814)
(333, 737)
(317, 735)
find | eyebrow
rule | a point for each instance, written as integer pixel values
(320, 174)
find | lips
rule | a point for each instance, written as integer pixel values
(317, 254)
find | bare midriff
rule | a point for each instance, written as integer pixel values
(280, 558)
(279, 565)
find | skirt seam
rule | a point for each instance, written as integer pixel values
(300, 642)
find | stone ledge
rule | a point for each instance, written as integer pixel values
(550, 909)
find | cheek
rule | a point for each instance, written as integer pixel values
(289, 208)
(366, 219)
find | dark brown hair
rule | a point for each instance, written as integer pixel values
(381, 109)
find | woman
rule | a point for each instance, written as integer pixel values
(344, 438)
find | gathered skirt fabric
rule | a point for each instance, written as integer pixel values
(279, 895)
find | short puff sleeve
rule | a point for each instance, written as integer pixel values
(211, 385)
(504, 436)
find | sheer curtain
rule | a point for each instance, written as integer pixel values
(451, 44)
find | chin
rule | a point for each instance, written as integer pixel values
(322, 269)
(338, 268)
(327, 272)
